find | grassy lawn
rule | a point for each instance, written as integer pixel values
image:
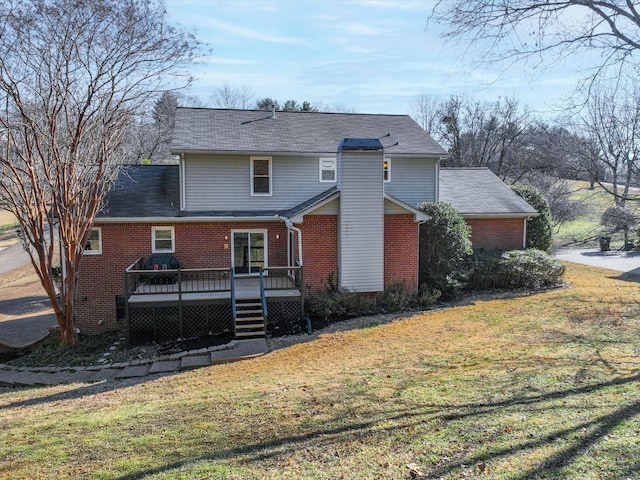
(538, 386)
(584, 230)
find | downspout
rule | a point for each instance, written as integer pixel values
(524, 233)
(289, 224)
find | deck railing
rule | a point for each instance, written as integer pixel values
(180, 280)
(282, 278)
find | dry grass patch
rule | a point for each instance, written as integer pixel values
(539, 386)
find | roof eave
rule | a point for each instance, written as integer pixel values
(499, 215)
(185, 219)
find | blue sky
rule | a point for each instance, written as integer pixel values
(370, 56)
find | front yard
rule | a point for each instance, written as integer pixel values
(538, 386)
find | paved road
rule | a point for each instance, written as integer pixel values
(628, 262)
(13, 257)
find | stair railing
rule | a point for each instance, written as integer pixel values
(263, 296)
(234, 312)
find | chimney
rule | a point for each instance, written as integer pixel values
(273, 110)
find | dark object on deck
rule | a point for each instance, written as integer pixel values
(604, 244)
(161, 262)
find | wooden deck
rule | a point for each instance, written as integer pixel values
(245, 288)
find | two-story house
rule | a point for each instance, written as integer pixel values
(264, 206)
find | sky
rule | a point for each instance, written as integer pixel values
(365, 56)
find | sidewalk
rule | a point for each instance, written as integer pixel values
(165, 365)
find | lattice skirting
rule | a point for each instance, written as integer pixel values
(285, 317)
(161, 323)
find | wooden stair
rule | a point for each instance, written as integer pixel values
(250, 321)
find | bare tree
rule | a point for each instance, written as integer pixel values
(73, 77)
(228, 96)
(612, 122)
(482, 135)
(425, 110)
(530, 29)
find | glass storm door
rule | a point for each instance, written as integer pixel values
(248, 251)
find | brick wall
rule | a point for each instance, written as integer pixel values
(202, 245)
(496, 233)
(400, 250)
(197, 245)
(319, 249)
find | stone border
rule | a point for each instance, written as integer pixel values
(165, 364)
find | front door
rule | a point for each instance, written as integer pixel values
(249, 251)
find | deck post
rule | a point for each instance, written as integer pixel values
(301, 288)
(126, 307)
(180, 316)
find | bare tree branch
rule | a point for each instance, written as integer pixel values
(74, 76)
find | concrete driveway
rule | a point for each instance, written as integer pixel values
(627, 262)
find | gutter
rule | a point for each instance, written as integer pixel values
(194, 219)
(499, 215)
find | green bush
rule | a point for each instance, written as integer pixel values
(540, 228)
(445, 243)
(513, 270)
(334, 303)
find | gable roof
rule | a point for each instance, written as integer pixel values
(258, 131)
(478, 192)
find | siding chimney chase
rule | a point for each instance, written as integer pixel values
(361, 228)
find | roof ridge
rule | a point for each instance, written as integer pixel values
(293, 112)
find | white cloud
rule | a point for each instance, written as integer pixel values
(253, 33)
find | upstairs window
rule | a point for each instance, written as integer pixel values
(260, 175)
(162, 240)
(94, 242)
(386, 168)
(327, 169)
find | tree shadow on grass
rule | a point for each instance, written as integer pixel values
(580, 436)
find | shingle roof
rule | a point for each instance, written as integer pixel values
(144, 191)
(257, 131)
(478, 191)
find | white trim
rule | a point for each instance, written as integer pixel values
(261, 194)
(98, 251)
(265, 235)
(105, 220)
(418, 215)
(153, 239)
(524, 233)
(498, 215)
(183, 177)
(386, 160)
(299, 217)
(334, 160)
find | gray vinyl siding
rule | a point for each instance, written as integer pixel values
(413, 180)
(224, 183)
(361, 231)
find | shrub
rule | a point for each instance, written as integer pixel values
(338, 304)
(540, 228)
(513, 270)
(444, 244)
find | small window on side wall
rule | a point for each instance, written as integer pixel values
(162, 240)
(327, 170)
(94, 242)
(260, 175)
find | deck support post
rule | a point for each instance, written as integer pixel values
(180, 313)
